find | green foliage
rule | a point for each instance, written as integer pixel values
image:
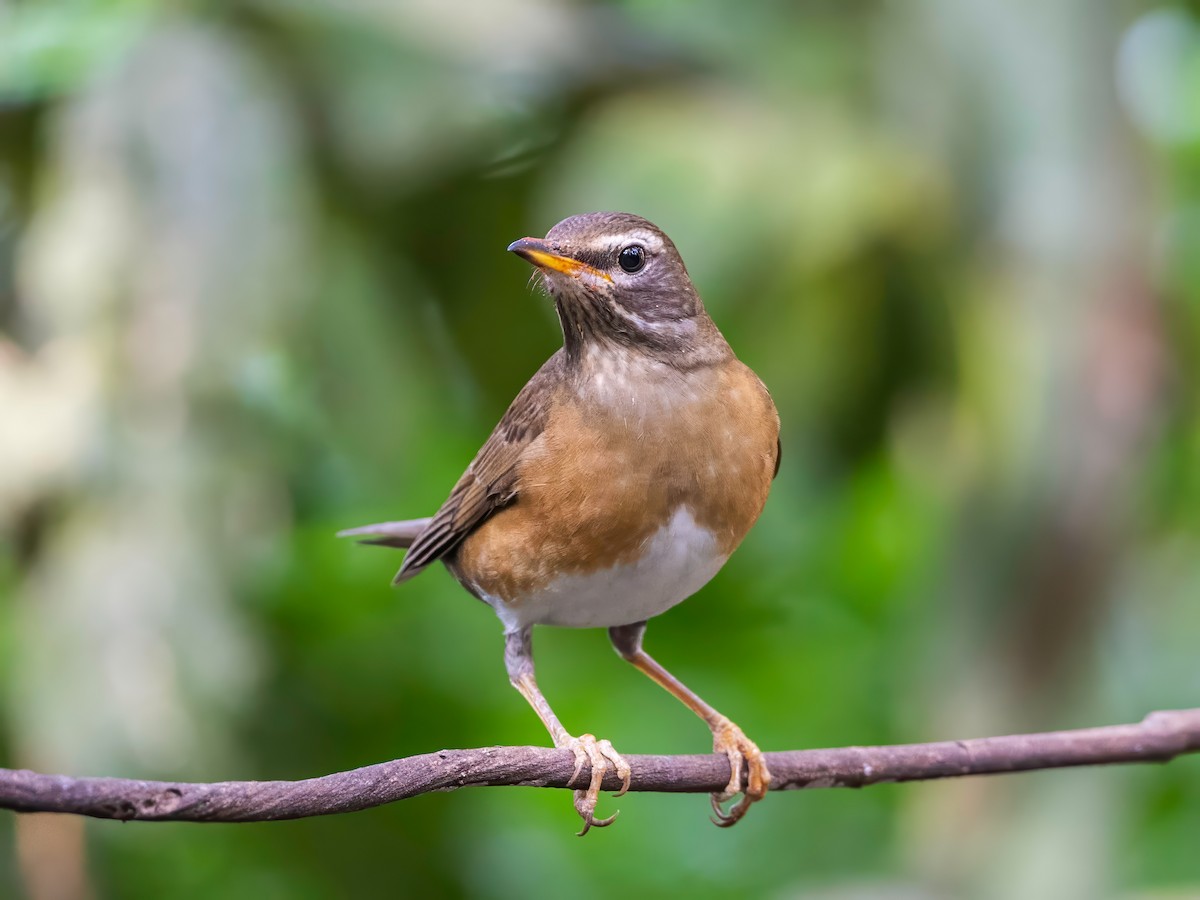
(253, 289)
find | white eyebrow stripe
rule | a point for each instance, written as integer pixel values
(647, 239)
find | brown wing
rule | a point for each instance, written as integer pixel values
(490, 481)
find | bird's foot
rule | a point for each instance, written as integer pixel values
(744, 755)
(598, 755)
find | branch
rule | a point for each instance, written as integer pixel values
(1160, 737)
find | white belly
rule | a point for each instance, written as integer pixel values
(679, 560)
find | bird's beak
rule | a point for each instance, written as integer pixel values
(538, 252)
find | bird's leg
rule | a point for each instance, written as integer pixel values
(742, 752)
(518, 659)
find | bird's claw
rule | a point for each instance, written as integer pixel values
(744, 756)
(598, 755)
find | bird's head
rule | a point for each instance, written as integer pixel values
(617, 278)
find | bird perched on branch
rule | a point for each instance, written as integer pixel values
(618, 482)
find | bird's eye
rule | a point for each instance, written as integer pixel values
(632, 258)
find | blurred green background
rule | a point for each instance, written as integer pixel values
(253, 289)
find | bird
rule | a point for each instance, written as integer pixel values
(616, 485)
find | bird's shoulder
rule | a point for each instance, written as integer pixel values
(490, 481)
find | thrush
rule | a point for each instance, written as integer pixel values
(618, 482)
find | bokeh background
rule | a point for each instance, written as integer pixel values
(253, 289)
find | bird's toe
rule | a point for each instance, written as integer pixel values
(745, 761)
(599, 755)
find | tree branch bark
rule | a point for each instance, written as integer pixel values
(1160, 737)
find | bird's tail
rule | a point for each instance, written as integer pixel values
(388, 534)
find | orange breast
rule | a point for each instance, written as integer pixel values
(604, 477)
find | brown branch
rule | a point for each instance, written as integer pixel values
(1160, 737)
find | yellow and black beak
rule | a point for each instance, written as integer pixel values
(538, 252)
